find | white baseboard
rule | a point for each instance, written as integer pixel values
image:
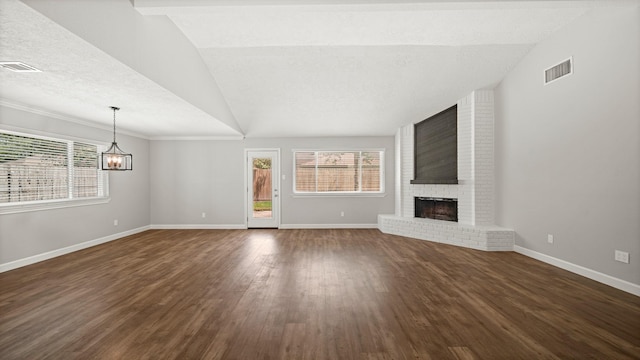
(244, 227)
(198, 227)
(66, 250)
(328, 226)
(580, 270)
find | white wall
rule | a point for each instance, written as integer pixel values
(28, 234)
(568, 154)
(192, 177)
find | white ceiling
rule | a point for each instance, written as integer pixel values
(81, 81)
(356, 68)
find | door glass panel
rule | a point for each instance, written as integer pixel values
(262, 196)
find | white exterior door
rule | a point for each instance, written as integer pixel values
(263, 198)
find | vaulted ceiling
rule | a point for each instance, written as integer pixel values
(210, 69)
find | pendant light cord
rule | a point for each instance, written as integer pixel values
(114, 123)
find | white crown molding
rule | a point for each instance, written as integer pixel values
(71, 119)
(196, 138)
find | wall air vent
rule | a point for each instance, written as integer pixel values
(558, 71)
(17, 66)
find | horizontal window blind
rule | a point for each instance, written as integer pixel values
(36, 169)
(85, 171)
(338, 171)
(305, 172)
(370, 170)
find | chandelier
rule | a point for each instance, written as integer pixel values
(114, 158)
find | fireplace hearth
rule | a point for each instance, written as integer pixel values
(436, 208)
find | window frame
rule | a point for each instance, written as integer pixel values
(380, 193)
(69, 201)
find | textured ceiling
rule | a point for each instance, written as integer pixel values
(285, 68)
(370, 25)
(81, 81)
(356, 90)
(359, 69)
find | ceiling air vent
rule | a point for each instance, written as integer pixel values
(556, 72)
(17, 66)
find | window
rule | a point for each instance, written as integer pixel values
(37, 170)
(331, 172)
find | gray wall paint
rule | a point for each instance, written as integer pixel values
(31, 233)
(191, 177)
(567, 154)
(167, 189)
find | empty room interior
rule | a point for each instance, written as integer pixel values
(319, 179)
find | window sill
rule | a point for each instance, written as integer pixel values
(49, 205)
(337, 194)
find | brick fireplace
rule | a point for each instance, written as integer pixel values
(473, 193)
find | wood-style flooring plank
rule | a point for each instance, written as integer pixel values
(307, 294)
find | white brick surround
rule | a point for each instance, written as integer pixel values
(490, 238)
(474, 190)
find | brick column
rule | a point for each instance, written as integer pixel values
(465, 161)
(483, 157)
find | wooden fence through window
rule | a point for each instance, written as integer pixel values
(329, 179)
(20, 182)
(337, 179)
(261, 184)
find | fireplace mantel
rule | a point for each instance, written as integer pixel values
(434, 181)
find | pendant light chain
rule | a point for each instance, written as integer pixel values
(114, 122)
(114, 158)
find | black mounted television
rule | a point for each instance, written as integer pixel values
(436, 149)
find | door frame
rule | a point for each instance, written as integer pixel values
(276, 184)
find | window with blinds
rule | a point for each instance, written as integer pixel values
(40, 169)
(326, 172)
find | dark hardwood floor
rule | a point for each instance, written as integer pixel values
(307, 294)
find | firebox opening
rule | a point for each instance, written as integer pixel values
(436, 208)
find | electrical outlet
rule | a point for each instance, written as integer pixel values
(621, 256)
(341, 213)
(204, 215)
(550, 238)
(115, 222)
